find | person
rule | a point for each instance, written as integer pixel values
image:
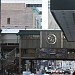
(73, 73)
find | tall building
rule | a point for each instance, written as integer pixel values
(20, 16)
(16, 16)
(44, 18)
(37, 9)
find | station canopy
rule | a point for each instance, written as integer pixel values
(63, 12)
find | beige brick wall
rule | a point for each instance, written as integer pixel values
(12, 6)
(20, 16)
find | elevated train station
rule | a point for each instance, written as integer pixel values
(19, 51)
(33, 45)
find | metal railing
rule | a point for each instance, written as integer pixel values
(10, 57)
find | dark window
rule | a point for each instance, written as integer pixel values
(40, 12)
(33, 5)
(8, 20)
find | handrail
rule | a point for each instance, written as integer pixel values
(10, 57)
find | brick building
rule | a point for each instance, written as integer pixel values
(16, 16)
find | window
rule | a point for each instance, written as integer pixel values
(8, 20)
(40, 12)
(30, 37)
(33, 5)
(36, 36)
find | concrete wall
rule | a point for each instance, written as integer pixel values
(20, 16)
(30, 42)
(10, 38)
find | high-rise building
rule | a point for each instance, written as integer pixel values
(37, 9)
(16, 16)
(29, 15)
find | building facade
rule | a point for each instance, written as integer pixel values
(37, 9)
(52, 41)
(17, 16)
(33, 45)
